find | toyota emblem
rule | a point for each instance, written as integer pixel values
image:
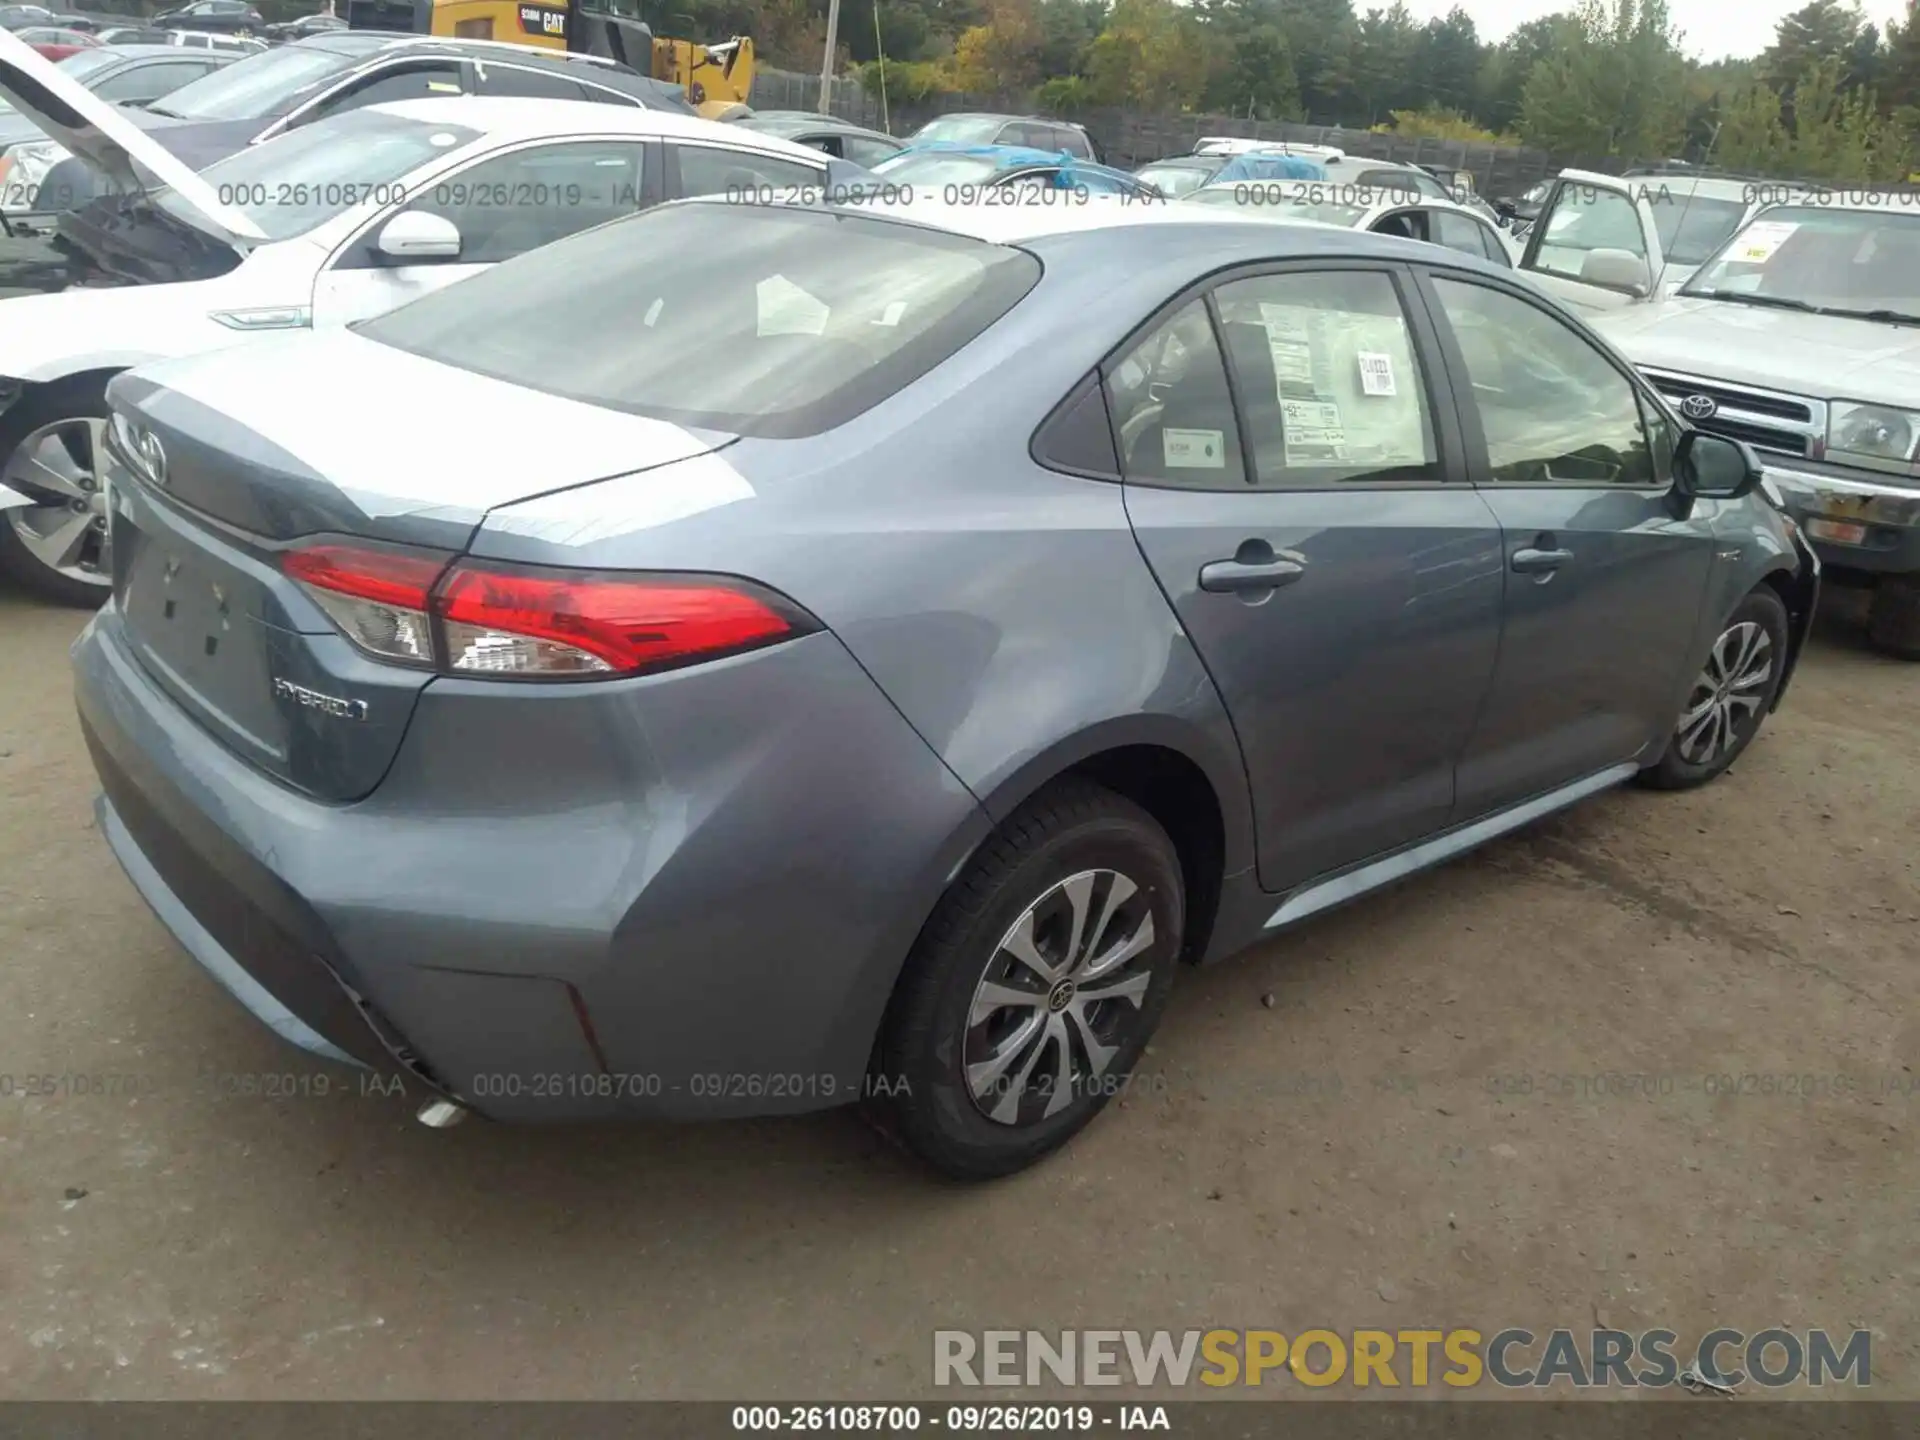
(152, 456)
(1699, 407)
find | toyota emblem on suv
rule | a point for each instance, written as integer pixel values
(1699, 407)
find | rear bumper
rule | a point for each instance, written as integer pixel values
(1889, 513)
(652, 920)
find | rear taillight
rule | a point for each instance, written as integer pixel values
(491, 619)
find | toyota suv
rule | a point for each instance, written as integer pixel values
(1800, 334)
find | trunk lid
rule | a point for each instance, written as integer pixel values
(239, 458)
(112, 144)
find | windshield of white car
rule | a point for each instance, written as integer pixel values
(763, 320)
(1860, 263)
(307, 176)
(1283, 200)
(933, 168)
(1692, 227)
(960, 129)
(258, 86)
(79, 65)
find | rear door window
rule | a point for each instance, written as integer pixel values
(509, 204)
(741, 174)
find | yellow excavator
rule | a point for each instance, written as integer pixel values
(717, 78)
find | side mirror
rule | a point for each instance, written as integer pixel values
(1712, 467)
(413, 236)
(1615, 269)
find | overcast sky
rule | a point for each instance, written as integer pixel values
(1712, 28)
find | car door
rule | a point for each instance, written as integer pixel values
(1605, 573)
(503, 204)
(705, 168)
(1595, 244)
(1296, 478)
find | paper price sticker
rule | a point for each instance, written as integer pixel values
(1376, 373)
(1194, 449)
(1758, 242)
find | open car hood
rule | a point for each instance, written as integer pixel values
(98, 133)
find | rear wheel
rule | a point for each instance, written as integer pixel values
(56, 546)
(1893, 622)
(1730, 697)
(1035, 986)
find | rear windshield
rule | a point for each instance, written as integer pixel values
(310, 174)
(256, 87)
(1172, 180)
(932, 169)
(758, 320)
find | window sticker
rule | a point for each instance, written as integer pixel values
(1758, 242)
(1194, 449)
(1376, 373)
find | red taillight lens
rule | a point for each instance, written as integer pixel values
(531, 622)
(527, 621)
(378, 598)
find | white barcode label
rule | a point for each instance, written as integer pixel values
(1376, 373)
(1194, 449)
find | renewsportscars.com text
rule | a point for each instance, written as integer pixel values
(1511, 1358)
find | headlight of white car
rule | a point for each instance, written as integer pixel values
(22, 170)
(1872, 432)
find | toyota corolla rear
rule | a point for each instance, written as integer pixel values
(559, 838)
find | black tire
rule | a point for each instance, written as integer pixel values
(1893, 622)
(65, 400)
(919, 1091)
(1685, 764)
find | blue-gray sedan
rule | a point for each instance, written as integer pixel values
(749, 658)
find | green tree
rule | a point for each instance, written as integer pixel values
(1381, 68)
(1150, 55)
(1508, 66)
(1001, 56)
(1833, 132)
(1067, 29)
(1321, 34)
(1616, 89)
(1447, 61)
(1249, 65)
(1817, 32)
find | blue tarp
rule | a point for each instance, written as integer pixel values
(1246, 169)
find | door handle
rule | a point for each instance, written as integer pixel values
(1528, 561)
(1227, 577)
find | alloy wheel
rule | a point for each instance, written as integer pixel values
(1725, 700)
(1060, 997)
(65, 526)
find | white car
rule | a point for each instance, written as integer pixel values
(1394, 209)
(1602, 242)
(336, 221)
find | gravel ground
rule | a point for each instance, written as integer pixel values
(1384, 1119)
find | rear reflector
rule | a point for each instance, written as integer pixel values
(378, 598)
(531, 622)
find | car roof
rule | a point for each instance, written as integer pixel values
(141, 50)
(516, 116)
(783, 122)
(1009, 156)
(1002, 116)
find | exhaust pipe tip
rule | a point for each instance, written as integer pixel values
(441, 1114)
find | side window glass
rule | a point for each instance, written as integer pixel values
(1328, 380)
(1593, 235)
(1173, 410)
(1457, 232)
(1553, 408)
(514, 203)
(1407, 224)
(712, 170)
(1490, 243)
(1661, 438)
(149, 82)
(868, 153)
(414, 82)
(538, 84)
(1073, 142)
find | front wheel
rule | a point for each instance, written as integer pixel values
(55, 546)
(1035, 986)
(1730, 697)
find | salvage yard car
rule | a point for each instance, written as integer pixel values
(962, 174)
(1801, 336)
(264, 95)
(327, 224)
(1406, 212)
(938, 625)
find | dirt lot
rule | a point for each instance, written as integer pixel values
(1324, 1145)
